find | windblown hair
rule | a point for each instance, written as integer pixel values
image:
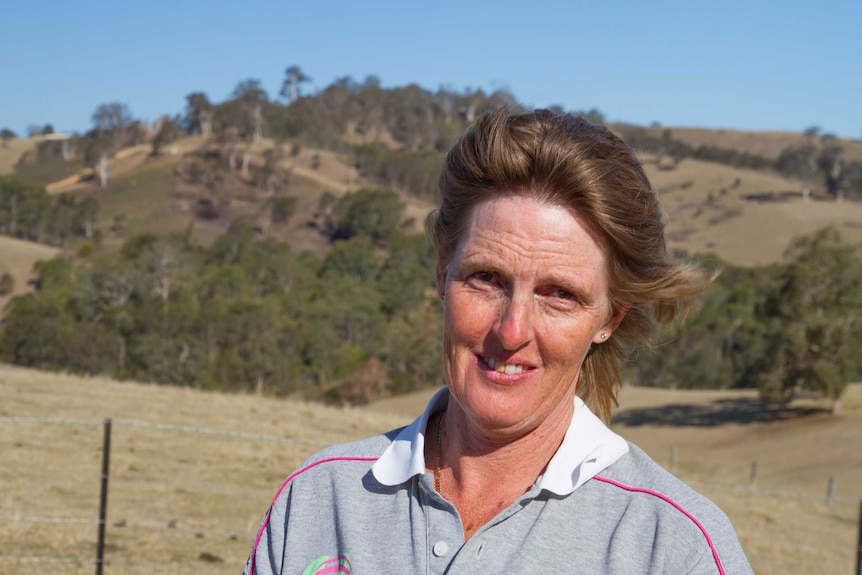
(566, 160)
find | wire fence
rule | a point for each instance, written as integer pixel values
(185, 499)
(181, 499)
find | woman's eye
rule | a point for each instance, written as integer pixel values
(484, 276)
(563, 294)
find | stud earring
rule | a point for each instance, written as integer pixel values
(604, 336)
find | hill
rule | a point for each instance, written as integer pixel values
(193, 471)
(765, 144)
(191, 187)
(17, 258)
(746, 217)
(12, 150)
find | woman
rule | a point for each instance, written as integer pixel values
(551, 266)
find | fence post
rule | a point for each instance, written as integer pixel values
(103, 499)
(830, 491)
(673, 458)
(752, 479)
(859, 543)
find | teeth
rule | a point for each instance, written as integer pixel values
(507, 368)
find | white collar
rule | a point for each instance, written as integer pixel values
(588, 448)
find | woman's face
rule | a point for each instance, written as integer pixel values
(526, 295)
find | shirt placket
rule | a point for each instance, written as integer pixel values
(477, 555)
(445, 548)
(444, 535)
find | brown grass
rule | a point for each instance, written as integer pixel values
(11, 152)
(17, 258)
(175, 495)
(182, 500)
(746, 217)
(766, 144)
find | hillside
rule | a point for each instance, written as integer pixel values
(17, 258)
(190, 186)
(766, 144)
(746, 217)
(11, 152)
(188, 488)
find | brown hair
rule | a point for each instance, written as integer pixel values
(566, 160)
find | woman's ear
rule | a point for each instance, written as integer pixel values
(618, 313)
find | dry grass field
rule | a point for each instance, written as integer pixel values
(11, 152)
(186, 496)
(746, 217)
(766, 144)
(17, 258)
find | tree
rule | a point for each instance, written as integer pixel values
(113, 119)
(801, 161)
(290, 88)
(811, 322)
(35, 331)
(251, 96)
(96, 151)
(199, 114)
(372, 213)
(7, 284)
(831, 163)
(5, 135)
(853, 179)
(88, 210)
(283, 207)
(111, 124)
(167, 130)
(353, 259)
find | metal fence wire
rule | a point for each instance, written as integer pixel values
(179, 499)
(129, 496)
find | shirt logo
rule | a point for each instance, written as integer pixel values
(326, 565)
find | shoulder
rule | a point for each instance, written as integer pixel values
(653, 495)
(636, 474)
(357, 455)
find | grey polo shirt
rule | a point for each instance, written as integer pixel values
(602, 506)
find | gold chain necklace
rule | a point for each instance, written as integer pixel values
(439, 449)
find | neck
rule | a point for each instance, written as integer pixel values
(482, 473)
(471, 456)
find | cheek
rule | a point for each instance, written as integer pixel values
(566, 344)
(468, 321)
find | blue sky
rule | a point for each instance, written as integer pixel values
(738, 65)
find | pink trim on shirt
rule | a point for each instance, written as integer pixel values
(678, 507)
(280, 489)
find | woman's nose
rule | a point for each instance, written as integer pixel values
(514, 327)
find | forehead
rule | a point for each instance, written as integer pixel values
(537, 232)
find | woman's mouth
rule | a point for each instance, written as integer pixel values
(507, 368)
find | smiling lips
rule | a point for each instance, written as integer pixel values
(507, 368)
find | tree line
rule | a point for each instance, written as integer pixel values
(396, 137)
(245, 312)
(364, 321)
(28, 212)
(818, 162)
(787, 329)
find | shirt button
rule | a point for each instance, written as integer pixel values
(440, 548)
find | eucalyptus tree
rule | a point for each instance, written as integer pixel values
(811, 325)
(293, 80)
(111, 128)
(198, 117)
